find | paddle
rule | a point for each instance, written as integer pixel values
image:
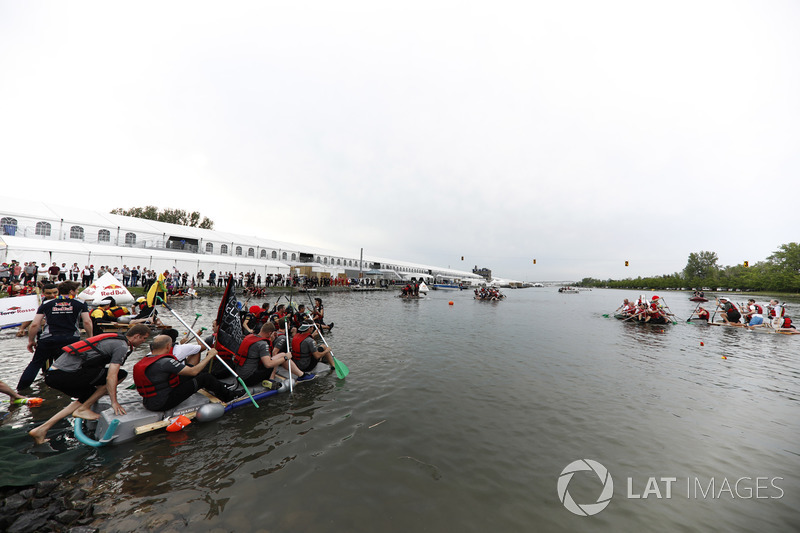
(341, 368)
(693, 312)
(234, 374)
(289, 351)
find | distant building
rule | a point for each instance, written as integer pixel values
(46, 233)
(483, 272)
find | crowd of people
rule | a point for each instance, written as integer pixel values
(88, 369)
(750, 315)
(488, 293)
(654, 311)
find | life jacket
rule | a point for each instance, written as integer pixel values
(759, 309)
(244, 347)
(89, 352)
(223, 352)
(297, 340)
(144, 386)
(773, 314)
(101, 314)
(118, 311)
(787, 322)
(703, 314)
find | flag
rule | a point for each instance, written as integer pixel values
(157, 289)
(230, 333)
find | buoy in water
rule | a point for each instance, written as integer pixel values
(701, 343)
(209, 412)
(450, 302)
(724, 357)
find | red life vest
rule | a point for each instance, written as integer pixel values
(787, 322)
(244, 347)
(297, 340)
(223, 352)
(144, 386)
(759, 309)
(118, 311)
(88, 350)
(772, 312)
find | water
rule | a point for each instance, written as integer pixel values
(463, 417)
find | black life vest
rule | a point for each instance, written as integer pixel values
(144, 386)
(89, 352)
(244, 347)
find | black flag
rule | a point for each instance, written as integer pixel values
(230, 325)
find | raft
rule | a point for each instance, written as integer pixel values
(657, 321)
(113, 429)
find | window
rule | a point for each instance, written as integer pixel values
(238, 250)
(223, 249)
(130, 238)
(76, 232)
(274, 254)
(251, 252)
(210, 247)
(9, 225)
(294, 257)
(43, 228)
(103, 236)
(325, 260)
(263, 254)
(284, 256)
(339, 262)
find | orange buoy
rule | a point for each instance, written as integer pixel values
(178, 424)
(450, 302)
(724, 357)
(701, 343)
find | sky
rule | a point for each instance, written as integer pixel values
(581, 134)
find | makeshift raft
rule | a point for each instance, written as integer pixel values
(113, 429)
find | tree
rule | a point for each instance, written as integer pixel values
(702, 265)
(787, 257)
(172, 216)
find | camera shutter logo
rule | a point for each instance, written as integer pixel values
(586, 509)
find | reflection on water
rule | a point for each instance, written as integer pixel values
(466, 414)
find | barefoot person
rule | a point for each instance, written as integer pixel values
(5, 389)
(89, 369)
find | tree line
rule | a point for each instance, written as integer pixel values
(780, 272)
(173, 216)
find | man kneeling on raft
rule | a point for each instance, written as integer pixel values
(87, 370)
(305, 352)
(164, 382)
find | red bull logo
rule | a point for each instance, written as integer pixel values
(113, 286)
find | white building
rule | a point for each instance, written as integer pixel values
(47, 233)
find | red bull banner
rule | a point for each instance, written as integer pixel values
(19, 309)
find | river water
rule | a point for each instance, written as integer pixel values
(463, 417)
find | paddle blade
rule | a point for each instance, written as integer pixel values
(341, 369)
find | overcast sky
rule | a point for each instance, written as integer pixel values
(579, 134)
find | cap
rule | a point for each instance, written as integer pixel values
(304, 326)
(141, 300)
(724, 298)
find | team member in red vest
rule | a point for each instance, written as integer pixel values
(164, 382)
(255, 362)
(305, 352)
(729, 313)
(87, 370)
